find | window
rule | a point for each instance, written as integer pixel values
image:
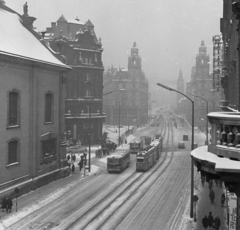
(95, 57)
(88, 92)
(13, 108)
(13, 151)
(49, 147)
(88, 77)
(86, 60)
(90, 60)
(80, 56)
(49, 107)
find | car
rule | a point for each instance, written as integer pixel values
(181, 145)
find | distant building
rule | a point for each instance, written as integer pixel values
(32, 85)
(201, 84)
(80, 48)
(128, 104)
(180, 88)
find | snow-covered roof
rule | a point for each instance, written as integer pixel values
(16, 40)
(75, 22)
(221, 164)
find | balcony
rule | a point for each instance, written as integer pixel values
(222, 155)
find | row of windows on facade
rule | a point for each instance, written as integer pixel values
(14, 108)
(13, 150)
(83, 60)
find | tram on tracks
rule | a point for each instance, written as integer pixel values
(136, 145)
(118, 161)
(147, 157)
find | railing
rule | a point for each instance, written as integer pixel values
(225, 134)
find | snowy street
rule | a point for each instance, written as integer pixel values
(156, 199)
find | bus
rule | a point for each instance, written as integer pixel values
(136, 145)
(147, 157)
(118, 162)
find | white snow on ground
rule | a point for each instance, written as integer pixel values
(40, 203)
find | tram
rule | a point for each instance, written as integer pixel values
(118, 162)
(146, 141)
(136, 145)
(147, 157)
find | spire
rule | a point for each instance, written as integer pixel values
(62, 19)
(180, 76)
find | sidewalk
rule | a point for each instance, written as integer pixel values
(204, 205)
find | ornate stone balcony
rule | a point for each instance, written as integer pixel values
(225, 135)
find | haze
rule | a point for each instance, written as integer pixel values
(168, 33)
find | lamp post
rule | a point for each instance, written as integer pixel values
(206, 115)
(192, 146)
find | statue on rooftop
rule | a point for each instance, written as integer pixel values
(25, 9)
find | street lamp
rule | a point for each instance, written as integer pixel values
(192, 171)
(206, 115)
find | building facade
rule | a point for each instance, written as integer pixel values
(128, 104)
(32, 85)
(80, 48)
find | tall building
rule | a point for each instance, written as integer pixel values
(79, 48)
(128, 104)
(32, 86)
(220, 159)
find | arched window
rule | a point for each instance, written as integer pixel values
(13, 151)
(48, 107)
(13, 108)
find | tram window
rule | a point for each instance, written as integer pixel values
(140, 160)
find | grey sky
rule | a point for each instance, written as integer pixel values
(168, 33)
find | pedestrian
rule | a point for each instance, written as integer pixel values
(223, 198)
(216, 182)
(203, 180)
(210, 220)
(212, 196)
(68, 157)
(205, 222)
(125, 141)
(80, 165)
(9, 204)
(210, 184)
(4, 203)
(73, 167)
(74, 157)
(217, 223)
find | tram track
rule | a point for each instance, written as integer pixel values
(98, 218)
(28, 221)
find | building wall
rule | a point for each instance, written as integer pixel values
(14, 77)
(32, 83)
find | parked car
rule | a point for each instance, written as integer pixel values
(181, 145)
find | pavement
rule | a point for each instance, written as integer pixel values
(34, 200)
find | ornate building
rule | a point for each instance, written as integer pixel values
(80, 49)
(32, 86)
(128, 105)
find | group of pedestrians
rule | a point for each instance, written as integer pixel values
(208, 221)
(211, 222)
(7, 204)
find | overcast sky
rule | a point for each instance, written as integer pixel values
(168, 33)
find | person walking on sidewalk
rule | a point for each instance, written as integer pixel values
(217, 223)
(9, 204)
(210, 184)
(223, 198)
(212, 196)
(203, 180)
(205, 222)
(210, 220)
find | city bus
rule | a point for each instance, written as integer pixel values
(118, 161)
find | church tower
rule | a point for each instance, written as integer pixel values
(134, 61)
(180, 87)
